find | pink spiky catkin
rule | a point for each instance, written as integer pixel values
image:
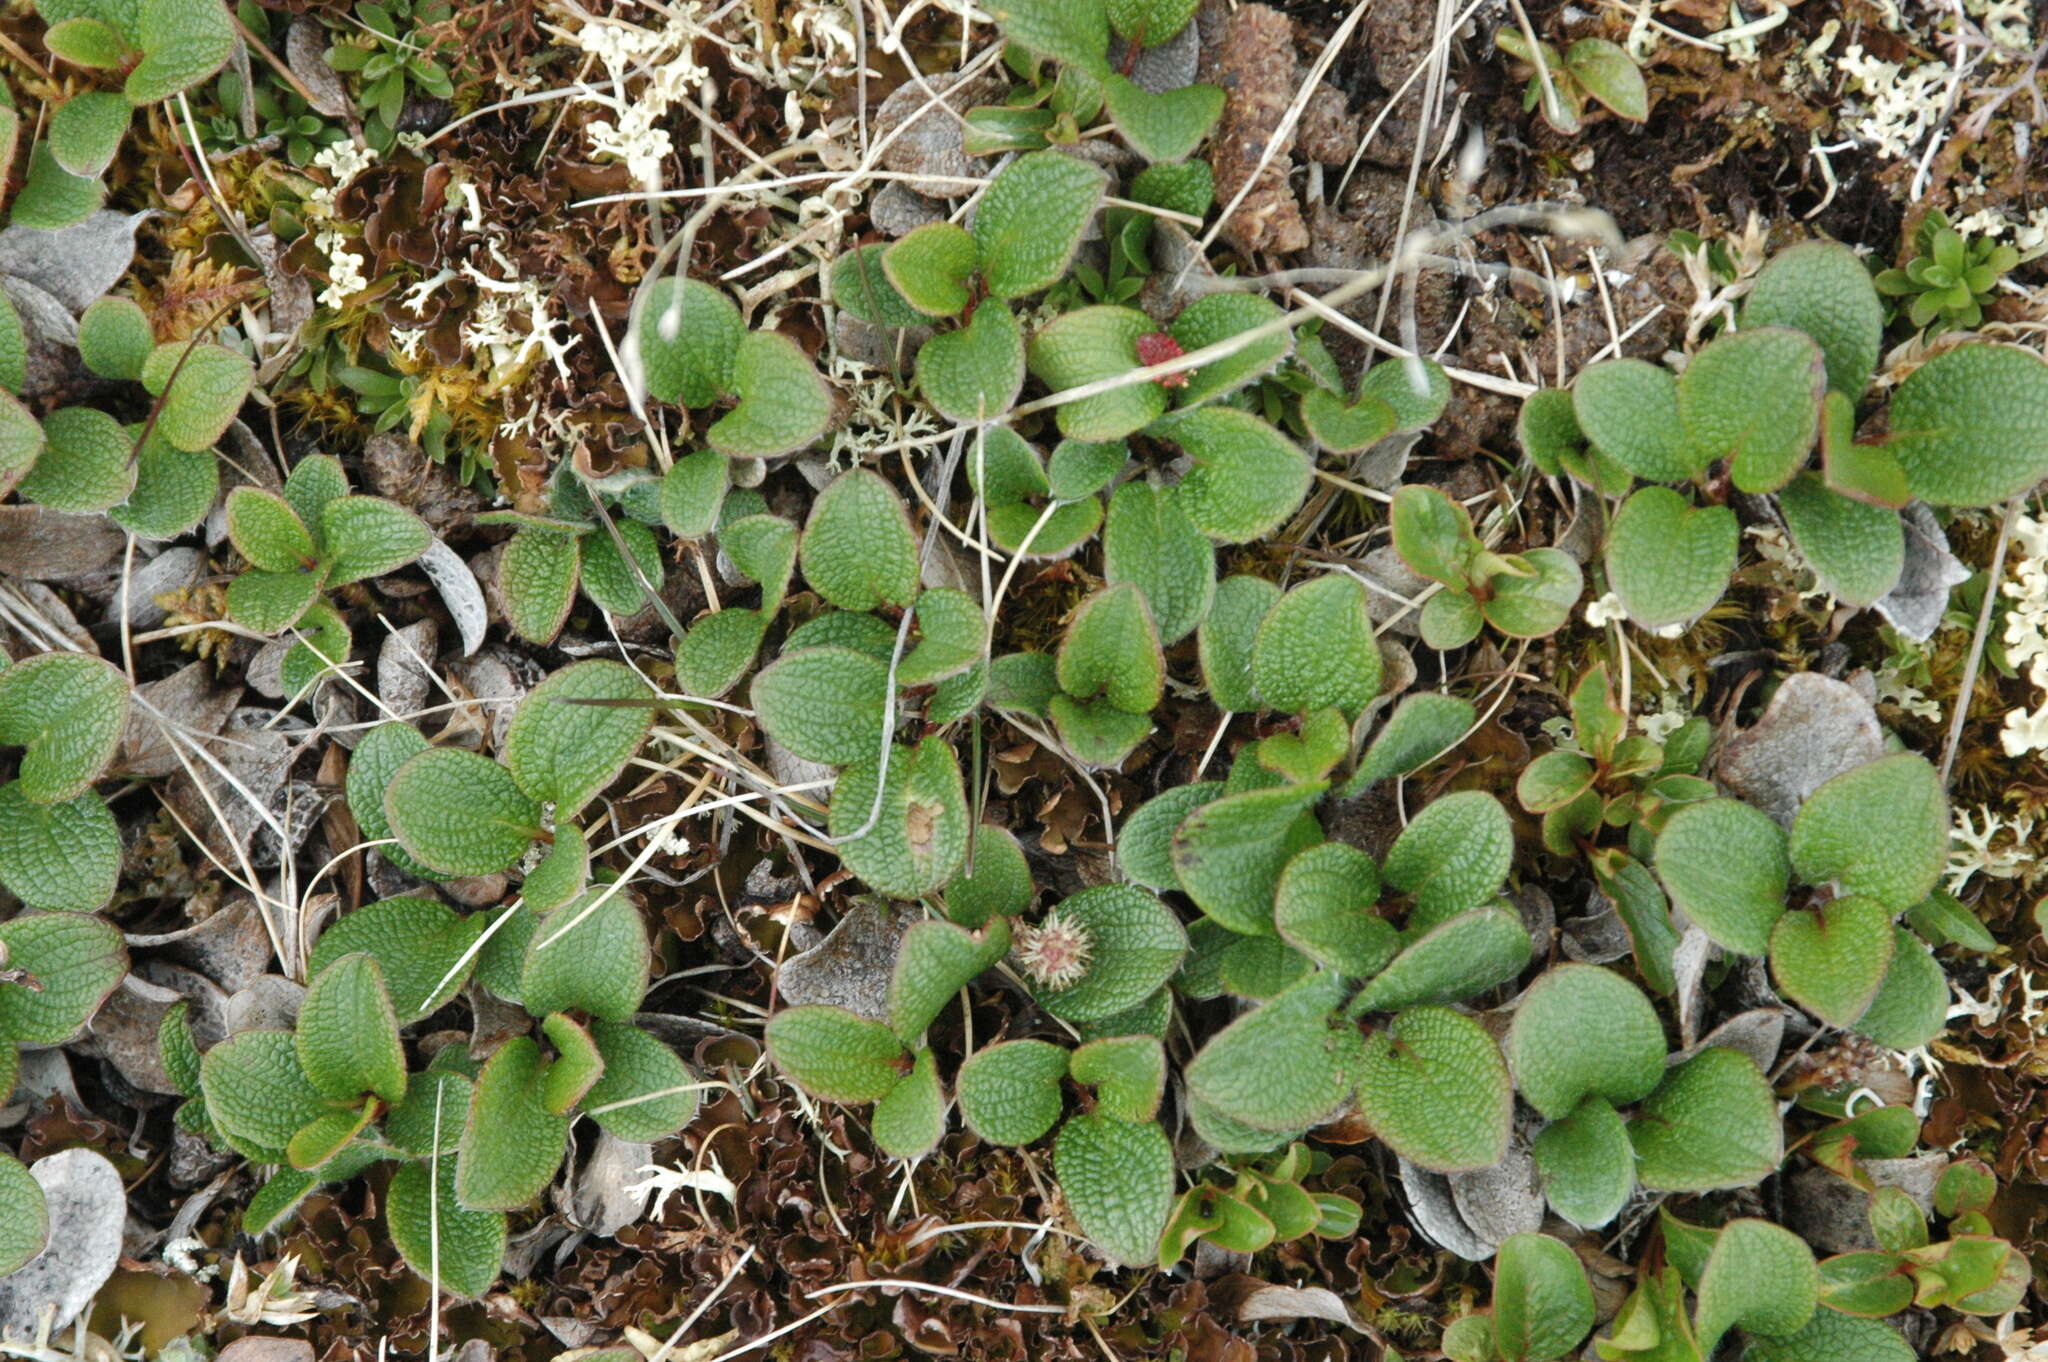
(1055, 952)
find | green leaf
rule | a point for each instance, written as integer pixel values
(276, 1199)
(63, 856)
(934, 961)
(1548, 430)
(825, 704)
(347, 1034)
(75, 960)
(1629, 409)
(858, 548)
(459, 813)
(1247, 478)
(688, 338)
(591, 955)
(765, 548)
(911, 1116)
(1217, 318)
(1227, 637)
(1286, 1065)
(952, 636)
(21, 441)
(1422, 728)
(321, 648)
(1856, 551)
(511, 1144)
(1135, 944)
(1724, 863)
(1454, 960)
(784, 404)
(1587, 1163)
(1667, 560)
(610, 578)
(716, 652)
(1394, 382)
(1341, 428)
(86, 131)
(267, 531)
(1085, 346)
(1316, 648)
(1433, 534)
(1324, 910)
(201, 386)
(931, 268)
(89, 42)
(369, 536)
(322, 1139)
(431, 1229)
(576, 1066)
(1080, 468)
(416, 942)
(1542, 1302)
(1031, 219)
(1144, 845)
(1452, 856)
(1711, 1124)
(24, 1214)
(693, 493)
(1832, 1337)
(1832, 835)
(1823, 289)
(1607, 73)
(861, 288)
(1760, 1277)
(1435, 1090)
(52, 197)
(1260, 967)
(563, 751)
(1538, 604)
(834, 1055)
(1118, 1180)
(974, 374)
(1074, 33)
(918, 842)
(257, 1093)
(998, 883)
(1111, 648)
(639, 1098)
(84, 465)
(1944, 921)
(1830, 960)
(561, 874)
(1128, 1074)
(537, 574)
(1753, 397)
(1911, 1007)
(1582, 1031)
(1229, 853)
(313, 482)
(377, 758)
(1010, 1092)
(68, 710)
(183, 43)
(1149, 541)
(1312, 751)
(1970, 426)
(429, 1121)
(1166, 126)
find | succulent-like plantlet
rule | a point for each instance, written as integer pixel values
(1967, 428)
(1949, 278)
(1561, 83)
(1523, 595)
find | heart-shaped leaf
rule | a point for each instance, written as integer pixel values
(1724, 863)
(1088, 345)
(1167, 126)
(1457, 959)
(63, 856)
(1832, 833)
(824, 704)
(975, 373)
(347, 1034)
(563, 750)
(917, 841)
(511, 1143)
(644, 1094)
(1148, 540)
(1583, 1031)
(1227, 636)
(1111, 648)
(68, 710)
(1970, 426)
(1010, 1092)
(1857, 551)
(1228, 854)
(1316, 648)
(1247, 477)
(1434, 1088)
(1217, 318)
(687, 339)
(459, 813)
(174, 488)
(1823, 289)
(1542, 1302)
(74, 960)
(1030, 221)
(911, 1116)
(1324, 910)
(1452, 856)
(1128, 1074)
(416, 942)
(858, 548)
(1629, 409)
(1133, 944)
(835, 1055)
(1667, 560)
(784, 404)
(1760, 1277)
(1831, 960)
(1343, 428)
(1118, 1179)
(1753, 397)
(1587, 1163)
(934, 961)
(998, 882)
(591, 955)
(931, 267)
(1712, 1123)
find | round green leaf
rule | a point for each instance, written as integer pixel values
(911, 1116)
(347, 1033)
(1087, 345)
(1030, 221)
(257, 1093)
(1324, 910)
(1668, 560)
(459, 813)
(1010, 1092)
(511, 1144)
(114, 338)
(1823, 289)
(1284, 1066)
(1542, 1302)
(832, 1054)
(1832, 835)
(1135, 944)
(1911, 1006)
(974, 374)
(824, 704)
(1118, 1180)
(467, 1246)
(998, 881)
(784, 404)
(1452, 856)
(86, 131)
(85, 463)
(1144, 845)
(1629, 409)
(1587, 1163)
(591, 955)
(201, 386)
(1227, 636)
(1111, 648)
(24, 1215)
(68, 710)
(1316, 648)
(858, 549)
(687, 337)
(1583, 1031)
(1830, 960)
(1753, 397)
(1970, 426)
(1228, 854)
(1856, 551)
(416, 943)
(1711, 1124)
(64, 856)
(563, 750)
(1247, 478)
(1148, 540)
(1725, 864)
(1760, 1277)
(537, 573)
(637, 1098)
(1434, 1088)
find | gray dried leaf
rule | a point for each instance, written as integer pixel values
(1435, 1212)
(74, 264)
(124, 1031)
(1915, 606)
(850, 968)
(305, 51)
(230, 947)
(925, 139)
(263, 1348)
(189, 697)
(1813, 729)
(1758, 1033)
(88, 1210)
(1689, 964)
(42, 545)
(608, 1193)
(1502, 1200)
(460, 592)
(269, 1003)
(403, 678)
(897, 210)
(1294, 1302)
(1169, 66)
(172, 570)
(52, 335)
